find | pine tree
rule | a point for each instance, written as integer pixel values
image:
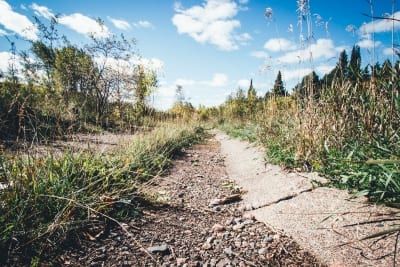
(279, 88)
(355, 64)
(341, 67)
(251, 98)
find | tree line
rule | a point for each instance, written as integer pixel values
(61, 87)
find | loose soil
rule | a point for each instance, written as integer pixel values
(191, 222)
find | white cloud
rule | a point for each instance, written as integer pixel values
(259, 54)
(322, 49)
(153, 64)
(279, 44)
(297, 74)
(143, 24)
(184, 82)
(84, 25)
(119, 23)
(211, 23)
(16, 22)
(127, 66)
(7, 58)
(42, 11)
(388, 51)
(381, 25)
(218, 80)
(196, 91)
(367, 43)
(243, 83)
(324, 69)
(2, 32)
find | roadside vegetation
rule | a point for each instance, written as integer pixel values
(344, 125)
(52, 92)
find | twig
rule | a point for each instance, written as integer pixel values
(379, 17)
(370, 222)
(395, 248)
(105, 216)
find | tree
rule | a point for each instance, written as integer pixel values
(354, 66)
(341, 70)
(279, 88)
(179, 95)
(309, 83)
(251, 102)
(108, 54)
(145, 81)
(74, 71)
(44, 50)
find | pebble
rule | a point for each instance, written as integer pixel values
(238, 227)
(181, 261)
(228, 251)
(217, 228)
(262, 251)
(163, 249)
(248, 216)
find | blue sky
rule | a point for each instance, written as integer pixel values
(213, 47)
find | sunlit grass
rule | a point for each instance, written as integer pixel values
(44, 199)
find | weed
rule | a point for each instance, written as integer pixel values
(45, 199)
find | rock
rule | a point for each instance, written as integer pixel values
(248, 207)
(248, 216)
(238, 227)
(181, 261)
(267, 239)
(217, 228)
(223, 263)
(215, 202)
(206, 246)
(225, 200)
(162, 249)
(217, 208)
(237, 220)
(210, 239)
(262, 251)
(229, 221)
(228, 251)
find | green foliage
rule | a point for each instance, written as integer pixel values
(65, 88)
(44, 199)
(279, 88)
(344, 126)
(246, 132)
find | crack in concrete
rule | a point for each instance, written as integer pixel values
(285, 198)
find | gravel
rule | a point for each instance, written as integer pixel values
(187, 226)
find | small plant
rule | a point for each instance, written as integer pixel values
(44, 200)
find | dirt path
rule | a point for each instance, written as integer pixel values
(198, 221)
(326, 221)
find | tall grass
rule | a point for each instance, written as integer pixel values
(43, 200)
(350, 134)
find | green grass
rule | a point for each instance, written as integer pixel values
(48, 198)
(246, 132)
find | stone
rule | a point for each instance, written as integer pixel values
(238, 227)
(181, 261)
(228, 251)
(217, 228)
(262, 251)
(248, 216)
(162, 249)
(206, 246)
